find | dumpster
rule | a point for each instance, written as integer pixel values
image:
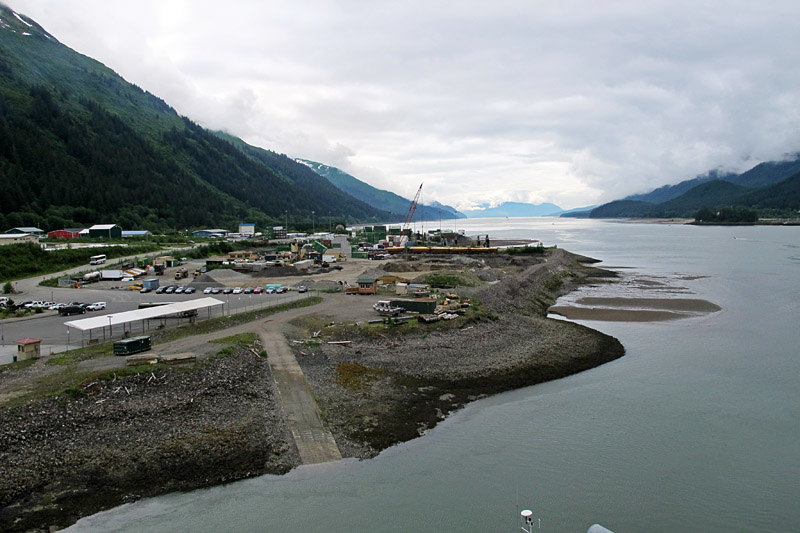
(132, 345)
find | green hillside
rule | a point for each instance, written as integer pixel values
(379, 198)
(79, 145)
(776, 200)
(761, 175)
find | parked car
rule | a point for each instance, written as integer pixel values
(179, 290)
(56, 307)
(258, 290)
(208, 290)
(248, 290)
(127, 279)
(302, 288)
(170, 289)
(227, 290)
(145, 290)
(189, 290)
(71, 310)
(161, 289)
(271, 290)
(237, 290)
(281, 290)
(97, 306)
(216, 290)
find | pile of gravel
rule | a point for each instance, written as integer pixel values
(226, 274)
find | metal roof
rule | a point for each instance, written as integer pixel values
(26, 229)
(103, 226)
(116, 319)
(27, 340)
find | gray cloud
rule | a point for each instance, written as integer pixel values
(574, 103)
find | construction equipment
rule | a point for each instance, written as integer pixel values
(411, 209)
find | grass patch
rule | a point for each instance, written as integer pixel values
(18, 365)
(526, 250)
(307, 325)
(234, 342)
(245, 339)
(452, 278)
(356, 376)
(92, 351)
(225, 322)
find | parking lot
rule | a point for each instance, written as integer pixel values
(117, 297)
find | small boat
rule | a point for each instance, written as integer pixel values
(385, 308)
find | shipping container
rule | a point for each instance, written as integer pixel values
(417, 305)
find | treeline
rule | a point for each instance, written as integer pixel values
(65, 169)
(737, 215)
(25, 260)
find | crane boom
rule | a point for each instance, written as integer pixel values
(411, 209)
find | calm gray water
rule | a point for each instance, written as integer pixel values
(695, 429)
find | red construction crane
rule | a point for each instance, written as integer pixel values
(411, 209)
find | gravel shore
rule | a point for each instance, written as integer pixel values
(138, 436)
(384, 389)
(121, 438)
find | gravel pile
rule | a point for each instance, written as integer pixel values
(140, 435)
(224, 275)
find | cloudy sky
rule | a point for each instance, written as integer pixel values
(574, 102)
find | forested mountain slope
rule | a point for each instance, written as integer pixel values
(79, 145)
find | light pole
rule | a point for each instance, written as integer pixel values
(110, 331)
(313, 226)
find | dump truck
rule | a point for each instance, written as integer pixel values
(181, 273)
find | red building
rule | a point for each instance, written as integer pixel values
(64, 233)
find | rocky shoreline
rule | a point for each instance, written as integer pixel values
(125, 437)
(384, 389)
(138, 436)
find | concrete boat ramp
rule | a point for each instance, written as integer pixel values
(314, 441)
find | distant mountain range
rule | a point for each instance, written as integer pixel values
(771, 189)
(514, 209)
(79, 145)
(379, 198)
